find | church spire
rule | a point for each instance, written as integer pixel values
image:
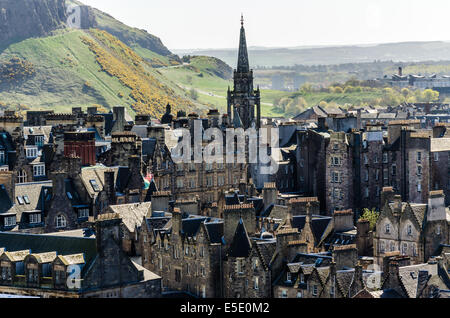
(243, 66)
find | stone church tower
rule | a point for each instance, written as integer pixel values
(243, 99)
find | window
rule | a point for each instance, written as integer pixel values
(283, 293)
(299, 295)
(288, 277)
(31, 152)
(414, 250)
(21, 176)
(314, 290)
(69, 195)
(256, 283)
(255, 264)
(39, 170)
(60, 277)
(404, 248)
(180, 183)
(409, 230)
(94, 185)
(35, 218)
(388, 228)
(209, 181)
(419, 170)
(332, 291)
(221, 180)
(39, 141)
(392, 247)
(192, 183)
(366, 192)
(336, 178)
(336, 161)
(26, 199)
(377, 175)
(178, 276)
(302, 278)
(419, 156)
(366, 175)
(419, 186)
(240, 266)
(394, 170)
(10, 221)
(366, 159)
(180, 167)
(438, 230)
(436, 156)
(20, 200)
(385, 157)
(33, 275)
(2, 158)
(60, 222)
(186, 251)
(6, 272)
(382, 247)
(83, 213)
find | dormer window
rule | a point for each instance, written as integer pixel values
(39, 170)
(409, 230)
(388, 228)
(2, 157)
(39, 141)
(10, 221)
(31, 152)
(35, 218)
(288, 277)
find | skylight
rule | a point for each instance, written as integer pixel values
(20, 200)
(26, 199)
(95, 185)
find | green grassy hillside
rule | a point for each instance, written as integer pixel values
(68, 72)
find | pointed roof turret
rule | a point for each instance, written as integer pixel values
(243, 65)
(241, 244)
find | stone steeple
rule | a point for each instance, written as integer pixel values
(243, 99)
(243, 65)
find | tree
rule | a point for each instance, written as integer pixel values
(429, 96)
(371, 216)
(338, 90)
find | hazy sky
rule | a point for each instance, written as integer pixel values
(183, 24)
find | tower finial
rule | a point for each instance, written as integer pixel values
(242, 19)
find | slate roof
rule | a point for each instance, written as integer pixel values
(419, 211)
(44, 243)
(76, 200)
(215, 232)
(5, 201)
(191, 226)
(318, 225)
(344, 279)
(415, 277)
(36, 193)
(132, 214)
(267, 250)
(241, 245)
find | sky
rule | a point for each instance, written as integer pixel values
(201, 24)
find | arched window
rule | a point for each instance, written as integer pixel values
(60, 221)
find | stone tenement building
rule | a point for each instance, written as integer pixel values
(411, 229)
(186, 253)
(347, 170)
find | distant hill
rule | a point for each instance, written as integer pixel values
(398, 52)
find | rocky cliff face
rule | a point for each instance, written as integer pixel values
(20, 19)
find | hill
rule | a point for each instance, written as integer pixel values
(58, 68)
(269, 57)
